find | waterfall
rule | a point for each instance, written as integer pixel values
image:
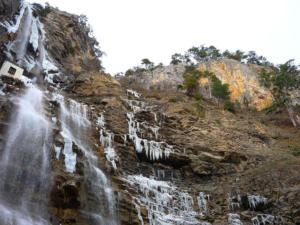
(76, 130)
(24, 167)
(30, 31)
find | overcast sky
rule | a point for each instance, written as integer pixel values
(129, 30)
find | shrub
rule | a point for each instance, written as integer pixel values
(191, 76)
(190, 84)
(199, 105)
(200, 114)
(295, 151)
(264, 122)
(129, 72)
(229, 106)
(218, 122)
(219, 90)
(45, 11)
(175, 99)
(72, 50)
(148, 64)
(238, 104)
(198, 96)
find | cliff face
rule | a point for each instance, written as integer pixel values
(69, 42)
(242, 79)
(243, 82)
(80, 148)
(7, 10)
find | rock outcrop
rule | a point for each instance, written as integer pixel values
(243, 82)
(242, 79)
(69, 42)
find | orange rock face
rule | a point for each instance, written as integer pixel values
(243, 82)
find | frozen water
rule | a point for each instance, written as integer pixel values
(12, 28)
(134, 93)
(254, 200)
(202, 203)
(234, 219)
(106, 139)
(165, 203)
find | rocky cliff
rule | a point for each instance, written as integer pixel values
(242, 79)
(79, 147)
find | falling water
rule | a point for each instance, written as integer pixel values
(24, 166)
(76, 130)
(19, 45)
(30, 32)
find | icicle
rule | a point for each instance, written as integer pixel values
(57, 151)
(234, 219)
(202, 203)
(1, 89)
(138, 209)
(164, 202)
(134, 93)
(154, 150)
(254, 200)
(106, 139)
(266, 219)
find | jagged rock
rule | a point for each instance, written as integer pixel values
(69, 44)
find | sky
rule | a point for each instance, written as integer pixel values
(131, 30)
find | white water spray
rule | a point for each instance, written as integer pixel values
(24, 166)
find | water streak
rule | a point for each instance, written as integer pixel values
(24, 168)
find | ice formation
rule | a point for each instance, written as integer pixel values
(10, 26)
(266, 219)
(73, 117)
(2, 88)
(234, 202)
(106, 139)
(75, 126)
(138, 209)
(202, 202)
(255, 200)
(31, 31)
(165, 203)
(234, 219)
(134, 93)
(143, 141)
(57, 151)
